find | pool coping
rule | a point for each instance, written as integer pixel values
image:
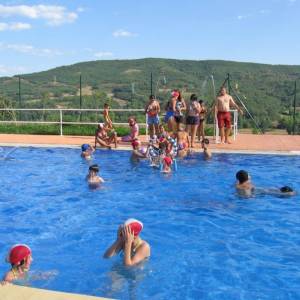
(127, 148)
(16, 292)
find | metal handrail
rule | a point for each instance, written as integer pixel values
(61, 122)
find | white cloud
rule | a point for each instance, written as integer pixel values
(11, 70)
(103, 54)
(123, 33)
(80, 9)
(53, 15)
(264, 11)
(30, 50)
(14, 26)
(242, 17)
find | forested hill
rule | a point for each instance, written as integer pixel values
(265, 89)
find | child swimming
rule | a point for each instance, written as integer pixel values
(206, 152)
(128, 241)
(20, 258)
(167, 162)
(138, 151)
(86, 151)
(92, 177)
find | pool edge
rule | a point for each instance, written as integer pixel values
(124, 148)
(15, 292)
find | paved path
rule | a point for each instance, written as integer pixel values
(244, 142)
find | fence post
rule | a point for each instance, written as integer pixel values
(146, 124)
(61, 124)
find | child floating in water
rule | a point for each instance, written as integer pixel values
(134, 248)
(206, 152)
(86, 151)
(92, 177)
(20, 258)
(244, 183)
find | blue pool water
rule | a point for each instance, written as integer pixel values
(207, 243)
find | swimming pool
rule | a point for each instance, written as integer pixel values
(207, 243)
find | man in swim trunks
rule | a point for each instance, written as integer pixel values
(152, 110)
(222, 106)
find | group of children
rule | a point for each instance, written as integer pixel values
(162, 152)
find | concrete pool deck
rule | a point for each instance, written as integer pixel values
(15, 292)
(245, 143)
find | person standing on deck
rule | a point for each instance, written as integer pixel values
(222, 106)
(152, 109)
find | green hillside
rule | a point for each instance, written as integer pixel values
(265, 89)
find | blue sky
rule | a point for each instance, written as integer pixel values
(38, 35)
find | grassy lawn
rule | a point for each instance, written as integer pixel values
(86, 130)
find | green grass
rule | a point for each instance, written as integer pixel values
(86, 130)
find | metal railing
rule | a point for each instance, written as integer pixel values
(234, 126)
(61, 122)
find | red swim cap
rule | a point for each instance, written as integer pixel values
(134, 225)
(17, 253)
(135, 143)
(168, 160)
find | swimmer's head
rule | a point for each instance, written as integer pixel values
(135, 144)
(19, 255)
(135, 226)
(201, 101)
(106, 105)
(85, 147)
(94, 168)
(151, 97)
(194, 97)
(205, 141)
(287, 190)
(242, 176)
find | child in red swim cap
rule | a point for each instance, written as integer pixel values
(167, 162)
(134, 248)
(20, 258)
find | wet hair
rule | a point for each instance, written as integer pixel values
(151, 97)
(94, 168)
(180, 96)
(286, 189)
(194, 97)
(106, 105)
(242, 176)
(205, 141)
